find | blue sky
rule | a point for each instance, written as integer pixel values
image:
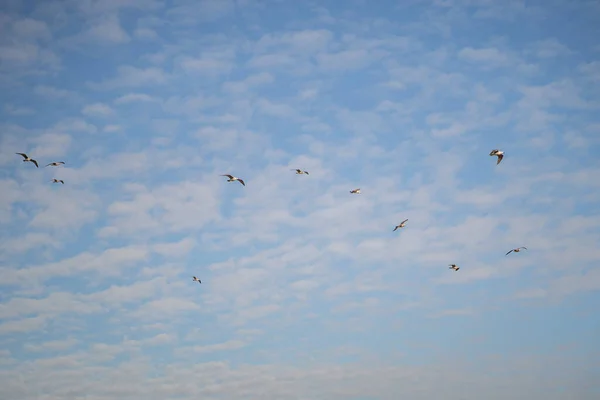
(306, 292)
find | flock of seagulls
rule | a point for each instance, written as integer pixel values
(496, 152)
(26, 158)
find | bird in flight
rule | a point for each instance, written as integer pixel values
(401, 225)
(497, 153)
(233, 179)
(518, 249)
(55, 164)
(58, 181)
(26, 158)
(355, 191)
(196, 279)
(454, 267)
(300, 172)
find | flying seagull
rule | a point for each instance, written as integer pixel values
(497, 153)
(401, 225)
(196, 279)
(26, 158)
(58, 181)
(355, 191)
(454, 267)
(233, 178)
(300, 172)
(55, 164)
(518, 249)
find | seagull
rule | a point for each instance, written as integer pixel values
(300, 172)
(58, 181)
(401, 225)
(55, 164)
(26, 158)
(196, 279)
(454, 267)
(497, 153)
(233, 178)
(518, 249)
(355, 191)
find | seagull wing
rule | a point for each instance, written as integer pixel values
(49, 164)
(493, 152)
(22, 154)
(241, 181)
(395, 229)
(306, 172)
(35, 162)
(229, 176)
(61, 181)
(404, 221)
(500, 157)
(523, 247)
(509, 252)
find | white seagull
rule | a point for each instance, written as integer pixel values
(355, 191)
(497, 153)
(26, 158)
(518, 249)
(401, 225)
(300, 172)
(55, 164)
(58, 181)
(454, 267)
(196, 279)
(233, 179)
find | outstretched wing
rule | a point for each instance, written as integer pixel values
(395, 229)
(403, 221)
(509, 252)
(229, 176)
(22, 154)
(241, 181)
(306, 172)
(523, 247)
(500, 157)
(35, 162)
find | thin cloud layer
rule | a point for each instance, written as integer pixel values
(307, 291)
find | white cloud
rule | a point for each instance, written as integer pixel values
(97, 110)
(484, 55)
(301, 281)
(129, 76)
(108, 29)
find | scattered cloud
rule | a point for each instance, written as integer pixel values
(306, 290)
(97, 110)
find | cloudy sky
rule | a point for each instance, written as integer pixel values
(307, 293)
